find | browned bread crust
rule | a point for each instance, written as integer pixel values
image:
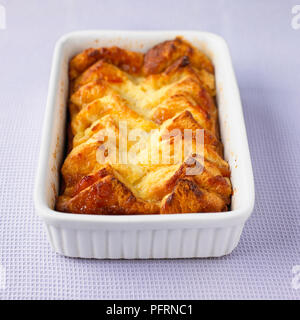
(171, 87)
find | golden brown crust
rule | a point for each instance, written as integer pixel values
(187, 197)
(128, 61)
(103, 193)
(164, 54)
(170, 88)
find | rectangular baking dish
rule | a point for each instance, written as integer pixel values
(146, 236)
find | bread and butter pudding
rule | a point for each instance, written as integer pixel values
(139, 99)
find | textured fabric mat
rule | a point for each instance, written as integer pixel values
(265, 51)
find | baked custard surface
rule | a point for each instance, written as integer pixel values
(170, 87)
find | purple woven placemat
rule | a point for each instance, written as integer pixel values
(265, 51)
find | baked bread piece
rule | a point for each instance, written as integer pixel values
(171, 87)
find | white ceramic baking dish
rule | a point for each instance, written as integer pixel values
(146, 236)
